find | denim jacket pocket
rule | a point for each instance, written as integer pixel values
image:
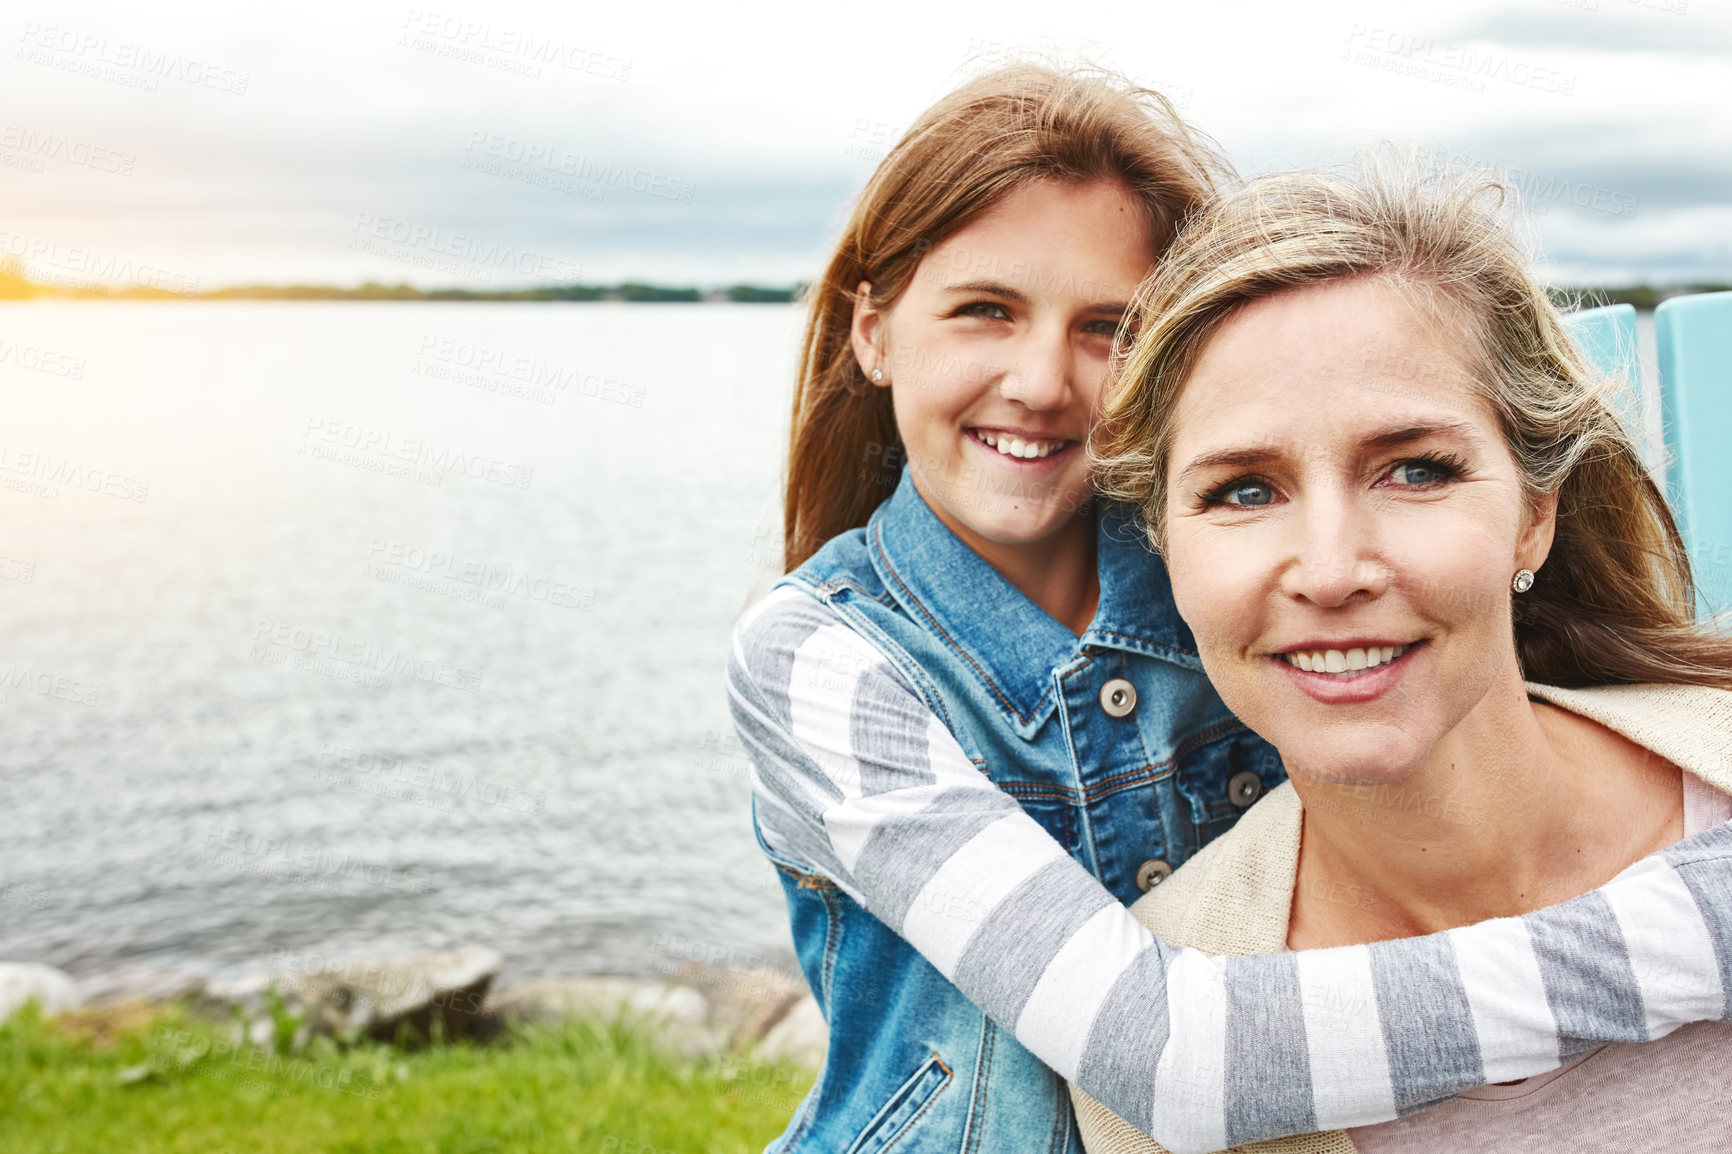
(904, 1109)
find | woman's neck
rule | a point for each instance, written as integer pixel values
(1521, 806)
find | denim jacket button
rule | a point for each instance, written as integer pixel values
(1244, 787)
(1118, 697)
(1152, 873)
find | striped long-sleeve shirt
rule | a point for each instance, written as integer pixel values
(854, 778)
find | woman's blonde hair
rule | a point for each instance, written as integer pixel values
(965, 153)
(1615, 600)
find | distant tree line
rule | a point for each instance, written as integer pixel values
(1642, 296)
(16, 285)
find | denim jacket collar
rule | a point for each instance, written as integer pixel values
(1011, 642)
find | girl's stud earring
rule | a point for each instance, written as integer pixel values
(877, 374)
(1524, 580)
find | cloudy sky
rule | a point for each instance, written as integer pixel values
(185, 144)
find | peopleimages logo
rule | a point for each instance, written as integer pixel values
(44, 146)
(88, 55)
(506, 48)
(47, 262)
(303, 644)
(48, 471)
(234, 1062)
(403, 239)
(41, 360)
(482, 575)
(341, 440)
(1538, 191)
(45, 684)
(419, 783)
(577, 165)
(1453, 65)
(499, 370)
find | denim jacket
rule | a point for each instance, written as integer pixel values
(1115, 742)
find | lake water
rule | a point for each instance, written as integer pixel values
(368, 628)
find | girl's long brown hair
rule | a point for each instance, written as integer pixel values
(993, 134)
(1615, 601)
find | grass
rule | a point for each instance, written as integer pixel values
(143, 1079)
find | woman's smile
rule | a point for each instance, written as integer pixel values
(1348, 673)
(1349, 660)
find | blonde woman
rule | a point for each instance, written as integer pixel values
(1421, 558)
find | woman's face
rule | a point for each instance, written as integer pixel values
(996, 352)
(1340, 497)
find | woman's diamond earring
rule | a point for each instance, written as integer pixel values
(1524, 580)
(877, 375)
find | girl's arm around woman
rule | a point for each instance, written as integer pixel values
(855, 779)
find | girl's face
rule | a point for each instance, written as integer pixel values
(996, 352)
(1343, 521)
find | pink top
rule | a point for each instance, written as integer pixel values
(1670, 1095)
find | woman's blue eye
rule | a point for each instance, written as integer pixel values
(1252, 493)
(1417, 473)
(987, 310)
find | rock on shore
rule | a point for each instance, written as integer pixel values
(680, 1015)
(20, 982)
(419, 998)
(699, 1010)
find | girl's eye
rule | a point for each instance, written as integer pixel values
(1108, 329)
(986, 310)
(1247, 493)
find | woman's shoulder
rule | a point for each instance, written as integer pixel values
(1235, 895)
(1688, 725)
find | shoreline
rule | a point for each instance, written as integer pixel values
(697, 1008)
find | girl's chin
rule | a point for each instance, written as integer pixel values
(1013, 529)
(1009, 519)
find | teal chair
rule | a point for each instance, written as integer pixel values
(1694, 339)
(1608, 337)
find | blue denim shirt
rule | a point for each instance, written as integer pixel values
(911, 1061)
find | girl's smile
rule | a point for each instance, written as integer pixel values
(1022, 447)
